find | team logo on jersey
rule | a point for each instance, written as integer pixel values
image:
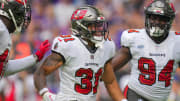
(93, 64)
(56, 45)
(157, 54)
(92, 56)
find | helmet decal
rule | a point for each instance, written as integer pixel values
(79, 14)
(22, 1)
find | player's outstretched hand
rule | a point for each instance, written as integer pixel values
(44, 47)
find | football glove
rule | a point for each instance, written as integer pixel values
(44, 47)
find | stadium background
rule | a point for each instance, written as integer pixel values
(51, 18)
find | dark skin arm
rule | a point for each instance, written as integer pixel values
(111, 83)
(121, 58)
(51, 63)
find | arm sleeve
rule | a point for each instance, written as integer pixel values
(14, 66)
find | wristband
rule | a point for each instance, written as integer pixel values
(124, 100)
(43, 91)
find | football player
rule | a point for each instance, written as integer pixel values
(14, 16)
(153, 52)
(81, 59)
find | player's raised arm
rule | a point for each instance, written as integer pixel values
(15, 16)
(112, 84)
(51, 63)
(14, 66)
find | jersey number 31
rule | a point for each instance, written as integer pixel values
(86, 85)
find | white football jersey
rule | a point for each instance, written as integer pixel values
(5, 44)
(5, 38)
(82, 71)
(152, 65)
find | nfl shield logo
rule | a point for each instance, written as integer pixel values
(92, 56)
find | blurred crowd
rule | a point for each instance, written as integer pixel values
(51, 18)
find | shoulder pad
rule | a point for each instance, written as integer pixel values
(132, 30)
(66, 38)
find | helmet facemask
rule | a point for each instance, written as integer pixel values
(18, 11)
(157, 26)
(96, 31)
